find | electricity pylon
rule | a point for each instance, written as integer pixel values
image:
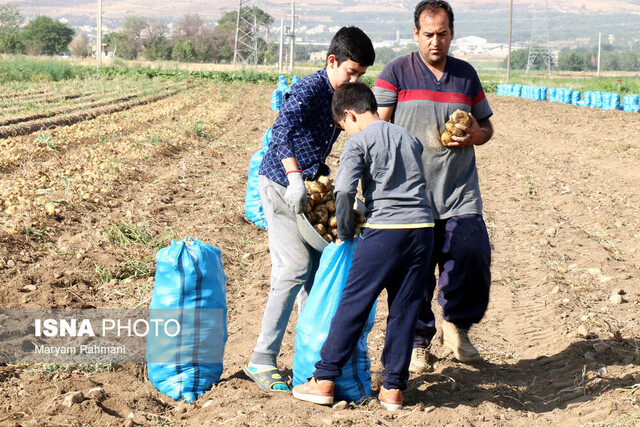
(539, 44)
(246, 45)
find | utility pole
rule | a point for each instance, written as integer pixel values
(509, 48)
(281, 42)
(292, 35)
(99, 36)
(599, 44)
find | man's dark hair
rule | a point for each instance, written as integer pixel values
(432, 6)
(352, 43)
(352, 96)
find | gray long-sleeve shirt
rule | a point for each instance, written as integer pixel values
(387, 158)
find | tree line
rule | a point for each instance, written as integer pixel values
(582, 59)
(192, 39)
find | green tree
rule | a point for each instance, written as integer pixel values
(609, 61)
(628, 60)
(10, 21)
(155, 44)
(132, 29)
(183, 51)
(571, 61)
(117, 43)
(520, 57)
(45, 36)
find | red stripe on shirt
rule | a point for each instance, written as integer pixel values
(385, 85)
(430, 95)
(479, 97)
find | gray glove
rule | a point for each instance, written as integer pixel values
(296, 195)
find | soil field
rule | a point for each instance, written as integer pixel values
(560, 341)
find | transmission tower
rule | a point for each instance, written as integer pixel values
(539, 44)
(35, 9)
(246, 45)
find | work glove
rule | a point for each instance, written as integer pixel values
(296, 195)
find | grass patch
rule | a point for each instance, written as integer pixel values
(123, 233)
(90, 368)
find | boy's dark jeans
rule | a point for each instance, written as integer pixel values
(395, 259)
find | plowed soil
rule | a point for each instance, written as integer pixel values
(560, 341)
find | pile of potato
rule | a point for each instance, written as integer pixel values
(458, 116)
(321, 209)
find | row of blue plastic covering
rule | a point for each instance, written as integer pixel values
(593, 99)
(282, 88)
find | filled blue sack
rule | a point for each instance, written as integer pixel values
(276, 99)
(315, 320)
(283, 86)
(189, 297)
(253, 209)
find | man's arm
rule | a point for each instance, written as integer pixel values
(386, 113)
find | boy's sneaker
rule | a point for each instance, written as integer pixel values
(314, 391)
(390, 399)
(457, 340)
(420, 361)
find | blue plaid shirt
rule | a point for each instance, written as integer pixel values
(304, 129)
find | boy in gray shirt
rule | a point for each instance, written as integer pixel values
(393, 252)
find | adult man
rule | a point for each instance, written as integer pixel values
(419, 91)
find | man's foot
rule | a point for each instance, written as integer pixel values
(457, 340)
(315, 391)
(390, 399)
(420, 361)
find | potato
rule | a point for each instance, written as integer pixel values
(316, 198)
(334, 232)
(461, 117)
(314, 187)
(309, 207)
(320, 228)
(331, 205)
(458, 116)
(326, 182)
(333, 221)
(311, 217)
(322, 214)
(327, 237)
(451, 127)
(446, 138)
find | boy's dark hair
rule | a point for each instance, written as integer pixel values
(352, 43)
(432, 6)
(352, 96)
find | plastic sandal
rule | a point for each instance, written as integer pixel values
(266, 379)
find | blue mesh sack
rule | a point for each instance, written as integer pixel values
(276, 99)
(283, 86)
(253, 209)
(190, 295)
(315, 320)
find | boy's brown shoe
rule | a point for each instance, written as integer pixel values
(457, 340)
(390, 399)
(314, 391)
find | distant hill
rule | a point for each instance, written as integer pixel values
(382, 19)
